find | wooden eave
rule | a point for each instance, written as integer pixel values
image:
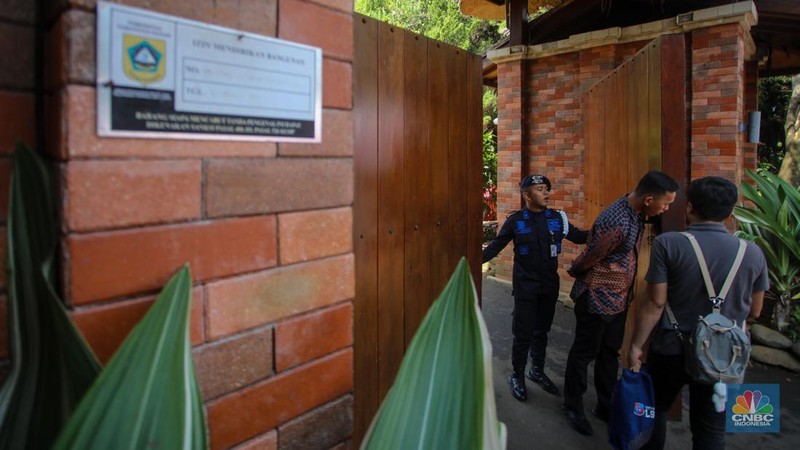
(776, 34)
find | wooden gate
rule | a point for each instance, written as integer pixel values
(418, 160)
(635, 121)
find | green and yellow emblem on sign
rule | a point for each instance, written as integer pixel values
(144, 58)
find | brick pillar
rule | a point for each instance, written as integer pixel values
(717, 92)
(271, 256)
(510, 113)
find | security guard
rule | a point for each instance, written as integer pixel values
(537, 232)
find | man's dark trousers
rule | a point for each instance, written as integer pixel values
(598, 338)
(530, 325)
(669, 376)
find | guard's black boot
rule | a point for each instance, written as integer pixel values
(518, 389)
(537, 375)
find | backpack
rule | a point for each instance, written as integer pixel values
(717, 350)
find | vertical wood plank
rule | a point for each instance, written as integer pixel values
(366, 398)
(474, 191)
(610, 151)
(674, 128)
(438, 92)
(457, 104)
(591, 127)
(624, 125)
(613, 112)
(642, 111)
(391, 331)
(654, 106)
(417, 225)
(633, 170)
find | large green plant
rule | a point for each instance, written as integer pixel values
(51, 365)
(443, 395)
(147, 397)
(774, 224)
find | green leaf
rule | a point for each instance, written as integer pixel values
(443, 396)
(774, 225)
(51, 364)
(148, 396)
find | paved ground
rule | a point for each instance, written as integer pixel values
(539, 423)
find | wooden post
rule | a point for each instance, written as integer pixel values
(517, 21)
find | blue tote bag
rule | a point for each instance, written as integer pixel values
(633, 412)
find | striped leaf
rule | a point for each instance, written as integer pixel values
(147, 396)
(443, 395)
(773, 223)
(51, 364)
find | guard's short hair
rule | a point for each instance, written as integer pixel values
(712, 198)
(656, 183)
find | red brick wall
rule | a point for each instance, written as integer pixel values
(265, 227)
(17, 120)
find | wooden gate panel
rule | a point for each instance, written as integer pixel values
(622, 129)
(418, 135)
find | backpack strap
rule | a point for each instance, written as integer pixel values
(701, 260)
(717, 300)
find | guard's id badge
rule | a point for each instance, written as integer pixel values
(553, 250)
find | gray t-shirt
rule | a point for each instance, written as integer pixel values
(673, 261)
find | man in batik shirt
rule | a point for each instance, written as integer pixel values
(604, 274)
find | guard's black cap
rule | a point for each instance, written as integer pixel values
(530, 180)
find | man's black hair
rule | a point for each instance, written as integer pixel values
(656, 183)
(712, 198)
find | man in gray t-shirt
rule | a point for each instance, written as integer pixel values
(674, 276)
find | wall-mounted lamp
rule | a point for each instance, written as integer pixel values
(753, 127)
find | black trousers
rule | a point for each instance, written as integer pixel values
(669, 377)
(598, 338)
(531, 322)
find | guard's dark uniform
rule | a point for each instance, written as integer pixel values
(537, 240)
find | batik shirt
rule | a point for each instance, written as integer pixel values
(606, 268)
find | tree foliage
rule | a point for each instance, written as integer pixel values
(773, 98)
(440, 20)
(790, 167)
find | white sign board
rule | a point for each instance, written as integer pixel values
(161, 76)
